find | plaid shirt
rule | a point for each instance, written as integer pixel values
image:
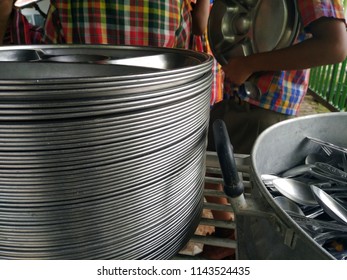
(124, 22)
(21, 32)
(201, 44)
(284, 91)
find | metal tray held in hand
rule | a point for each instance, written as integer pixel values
(243, 27)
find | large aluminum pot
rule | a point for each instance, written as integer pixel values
(280, 147)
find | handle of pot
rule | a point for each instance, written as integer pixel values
(233, 186)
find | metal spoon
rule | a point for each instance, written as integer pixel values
(327, 144)
(323, 225)
(293, 209)
(320, 170)
(330, 187)
(288, 205)
(268, 178)
(252, 91)
(344, 162)
(322, 238)
(299, 170)
(295, 190)
(314, 157)
(336, 173)
(312, 226)
(333, 208)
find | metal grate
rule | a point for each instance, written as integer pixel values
(215, 177)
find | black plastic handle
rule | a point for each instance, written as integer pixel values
(233, 186)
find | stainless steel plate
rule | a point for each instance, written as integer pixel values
(85, 63)
(240, 28)
(119, 101)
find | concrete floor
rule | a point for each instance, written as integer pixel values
(311, 106)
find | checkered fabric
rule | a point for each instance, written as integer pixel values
(21, 32)
(122, 22)
(201, 44)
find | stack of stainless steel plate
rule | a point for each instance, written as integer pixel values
(102, 150)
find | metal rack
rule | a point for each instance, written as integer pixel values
(215, 177)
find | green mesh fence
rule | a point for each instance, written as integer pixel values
(330, 83)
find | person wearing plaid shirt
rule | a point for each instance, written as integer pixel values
(282, 74)
(128, 22)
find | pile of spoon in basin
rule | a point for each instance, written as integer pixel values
(314, 194)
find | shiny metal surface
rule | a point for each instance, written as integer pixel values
(117, 102)
(332, 207)
(48, 198)
(24, 3)
(287, 146)
(240, 28)
(106, 160)
(118, 132)
(176, 62)
(81, 170)
(295, 190)
(275, 25)
(288, 205)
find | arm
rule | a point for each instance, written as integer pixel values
(200, 14)
(5, 12)
(328, 45)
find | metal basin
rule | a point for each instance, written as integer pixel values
(279, 148)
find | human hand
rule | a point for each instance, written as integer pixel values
(237, 70)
